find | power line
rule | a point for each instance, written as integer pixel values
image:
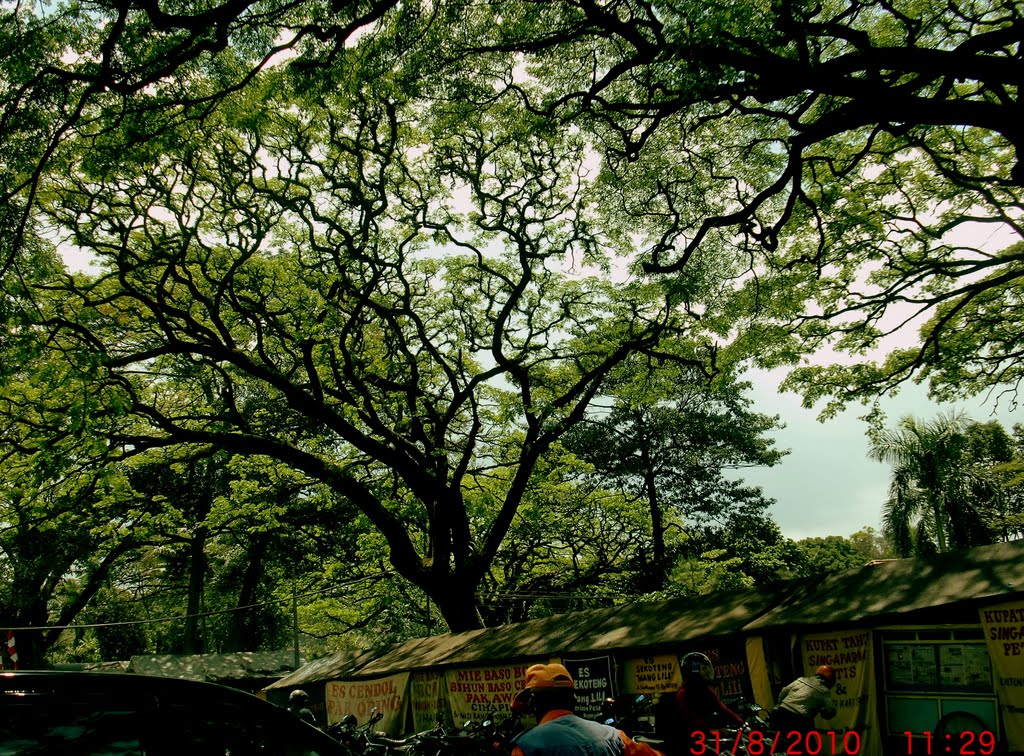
(179, 618)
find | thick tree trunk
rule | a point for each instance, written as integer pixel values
(658, 575)
(243, 634)
(28, 611)
(456, 601)
(192, 640)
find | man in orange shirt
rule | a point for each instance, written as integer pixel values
(549, 694)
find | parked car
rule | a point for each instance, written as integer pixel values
(98, 713)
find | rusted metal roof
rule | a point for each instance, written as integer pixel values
(675, 622)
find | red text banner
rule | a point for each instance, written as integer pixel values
(427, 698)
(359, 698)
(478, 693)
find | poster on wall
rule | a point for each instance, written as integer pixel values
(359, 698)
(1003, 626)
(483, 692)
(652, 674)
(427, 699)
(594, 683)
(965, 667)
(911, 667)
(854, 694)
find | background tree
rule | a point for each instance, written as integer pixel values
(668, 439)
(870, 544)
(1007, 518)
(942, 486)
(821, 556)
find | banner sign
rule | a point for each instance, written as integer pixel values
(760, 681)
(854, 695)
(594, 683)
(1003, 626)
(360, 697)
(652, 674)
(482, 692)
(427, 699)
(731, 681)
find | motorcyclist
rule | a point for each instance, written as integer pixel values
(298, 704)
(697, 707)
(549, 694)
(804, 699)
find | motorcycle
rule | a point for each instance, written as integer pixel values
(633, 716)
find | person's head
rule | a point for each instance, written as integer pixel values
(697, 665)
(826, 674)
(547, 687)
(298, 699)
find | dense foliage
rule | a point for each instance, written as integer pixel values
(345, 285)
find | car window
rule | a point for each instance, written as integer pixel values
(85, 721)
(227, 730)
(43, 723)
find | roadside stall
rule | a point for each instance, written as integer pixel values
(920, 648)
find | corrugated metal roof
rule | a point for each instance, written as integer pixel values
(215, 667)
(337, 666)
(900, 586)
(876, 590)
(420, 653)
(534, 639)
(677, 621)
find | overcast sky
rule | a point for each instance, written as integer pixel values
(827, 485)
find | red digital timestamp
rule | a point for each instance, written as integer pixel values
(953, 743)
(756, 743)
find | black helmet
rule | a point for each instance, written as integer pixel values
(298, 696)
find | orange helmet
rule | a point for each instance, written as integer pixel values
(541, 677)
(826, 673)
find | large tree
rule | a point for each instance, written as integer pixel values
(389, 227)
(841, 151)
(336, 279)
(863, 156)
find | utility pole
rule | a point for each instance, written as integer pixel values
(295, 625)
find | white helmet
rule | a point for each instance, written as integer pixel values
(695, 663)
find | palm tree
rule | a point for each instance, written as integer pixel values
(939, 487)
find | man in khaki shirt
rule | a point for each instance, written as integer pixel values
(804, 699)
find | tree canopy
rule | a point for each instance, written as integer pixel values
(402, 248)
